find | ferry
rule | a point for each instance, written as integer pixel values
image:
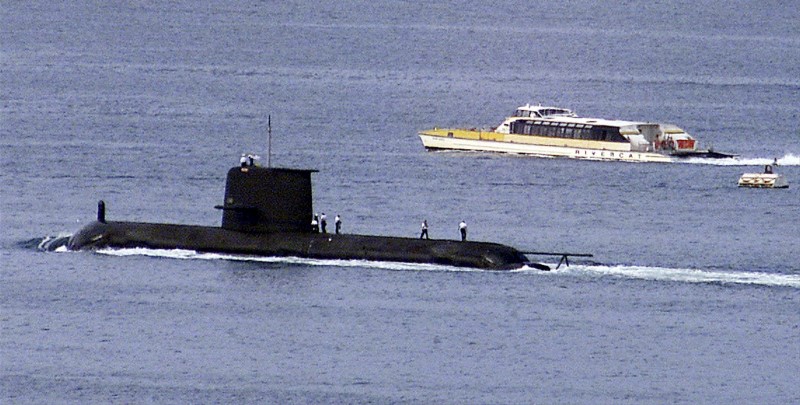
(559, 132)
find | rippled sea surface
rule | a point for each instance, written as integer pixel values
(692, 296)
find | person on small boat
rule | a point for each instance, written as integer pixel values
(463, 228)
(424, 227)
(338, 223)
(323, 223)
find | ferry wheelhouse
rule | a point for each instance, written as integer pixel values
(559, 132)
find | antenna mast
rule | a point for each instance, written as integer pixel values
(269, 145)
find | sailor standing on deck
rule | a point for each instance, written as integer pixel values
(424, 230)
(338, 223)
(314, 224)
(463, 228)
(323, 222)
(243, 160)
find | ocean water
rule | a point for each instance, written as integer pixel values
(692, 296)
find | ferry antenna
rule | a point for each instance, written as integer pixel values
(269, 141)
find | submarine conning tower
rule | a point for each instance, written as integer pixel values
(266, 200)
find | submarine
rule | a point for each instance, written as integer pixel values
(267, 212)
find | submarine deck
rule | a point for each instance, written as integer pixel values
(483, 255)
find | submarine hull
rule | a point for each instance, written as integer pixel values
(482, 255)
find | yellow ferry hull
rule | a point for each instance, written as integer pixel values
(489, 141)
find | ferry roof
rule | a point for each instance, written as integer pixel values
(545, 110)
(569, 116)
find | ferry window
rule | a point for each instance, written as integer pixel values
(584, 133)
(610, 134)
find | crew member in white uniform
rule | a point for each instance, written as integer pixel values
(463, 228)
(314, 224)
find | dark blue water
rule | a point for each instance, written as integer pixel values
(693, 294)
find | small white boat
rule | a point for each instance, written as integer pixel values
(768, 179)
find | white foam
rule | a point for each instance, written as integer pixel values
(48, 242)
(632, 272)
(693, 275)
(787, 160)
(191, 254)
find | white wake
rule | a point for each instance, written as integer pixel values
(787, 160)
(630, 272)
(689, 275)
(191, 254)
